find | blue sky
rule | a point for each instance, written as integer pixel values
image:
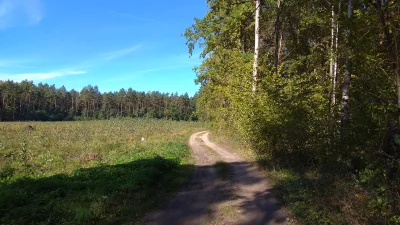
(110, 43)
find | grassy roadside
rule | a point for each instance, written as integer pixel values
(90, 172)
(310, 195)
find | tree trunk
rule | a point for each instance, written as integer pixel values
(346, 80)
(333, 67)
(396, 73)
(331, 59)
(392, 52)
(396, 65)
(14, 109)
(277, 35)
(256, 45)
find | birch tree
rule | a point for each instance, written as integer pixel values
(256, 44)
(278, 35)
(333, 58)
(345, 110)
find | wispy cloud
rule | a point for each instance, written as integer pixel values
(20, 12)
(100, 59)
(119, 53)
(39, 76)
(130, 16)
(14, 65)
(139, 73)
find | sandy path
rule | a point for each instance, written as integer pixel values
(243, 198)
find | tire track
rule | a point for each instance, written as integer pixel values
(244, 198)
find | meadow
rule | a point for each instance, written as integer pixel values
(91, 172)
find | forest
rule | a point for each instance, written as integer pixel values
(27, 101)
(313, 87)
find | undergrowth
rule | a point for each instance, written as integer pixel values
(325, 194)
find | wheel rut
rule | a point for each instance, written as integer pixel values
(243, 198)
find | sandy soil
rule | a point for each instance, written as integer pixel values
(243, 198)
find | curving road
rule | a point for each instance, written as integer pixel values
(243, 198)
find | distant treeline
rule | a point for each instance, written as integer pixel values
(26, 101)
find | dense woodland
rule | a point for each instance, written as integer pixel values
(27, 101)
(312, 85)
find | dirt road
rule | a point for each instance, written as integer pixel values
(244, 197)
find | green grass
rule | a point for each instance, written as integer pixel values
(310, 195)
(315, 198)
(95, 172)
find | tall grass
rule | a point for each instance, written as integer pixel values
(91, 171)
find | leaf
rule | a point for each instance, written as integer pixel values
(397, 139)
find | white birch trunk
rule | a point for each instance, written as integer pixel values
(335, 38)
(347, 74)
(335, 66)
(256, 45)
(332, 43)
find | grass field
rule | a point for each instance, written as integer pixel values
(94, 172)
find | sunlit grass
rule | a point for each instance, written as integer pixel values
(91, 171)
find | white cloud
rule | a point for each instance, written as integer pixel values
(14, 65)
(120, 53)
(20, 12)
(102, 58)
(135, 74)
(38, 76)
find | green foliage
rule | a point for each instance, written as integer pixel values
(395, 220)
(26, 101)
(293, 120)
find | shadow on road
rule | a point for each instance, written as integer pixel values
(120, 194)
(200, 202)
